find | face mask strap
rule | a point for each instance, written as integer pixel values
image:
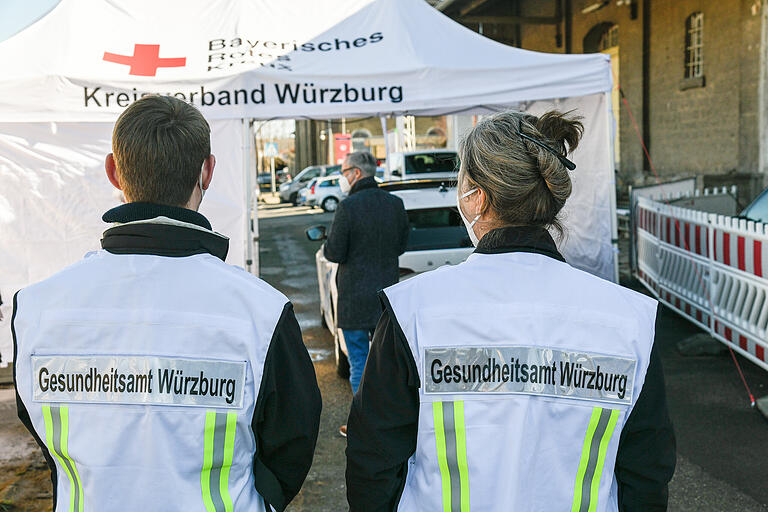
(467, 194)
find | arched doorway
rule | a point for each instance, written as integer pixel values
(436, 137)
(604, 38)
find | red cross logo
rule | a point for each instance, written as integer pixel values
(145, 60)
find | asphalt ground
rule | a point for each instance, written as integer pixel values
(722, 441)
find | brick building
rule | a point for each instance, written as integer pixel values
(692, 71)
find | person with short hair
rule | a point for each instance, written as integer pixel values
(369, 232)
(153, 375)
(512, 381)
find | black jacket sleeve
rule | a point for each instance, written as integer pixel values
(21, 408)
(287, 415)
(646, 459)
(383, 422)
(337, 244)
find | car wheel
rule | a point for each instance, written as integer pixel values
(342, 363)
(294, 199)
(330, 204)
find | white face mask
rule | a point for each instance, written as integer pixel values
(467, 224)
(344, 185)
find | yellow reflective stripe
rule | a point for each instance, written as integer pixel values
(65, 452)
(584, 459)
(601, 459)
(461, 451)
(437, 411)
(51, 442)
(229, 450)
(205, 475)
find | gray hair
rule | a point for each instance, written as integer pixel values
(526, 185)
(364, 161)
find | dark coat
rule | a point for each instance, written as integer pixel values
(369, 232)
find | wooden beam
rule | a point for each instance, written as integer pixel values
(471, 7)
(511, 20)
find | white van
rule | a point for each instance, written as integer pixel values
(429, 163)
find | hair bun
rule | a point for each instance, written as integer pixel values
(564, 131)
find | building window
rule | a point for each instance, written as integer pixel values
(694, 45)
(610, 39)
(360, 139)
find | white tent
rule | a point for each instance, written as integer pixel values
(67, 77)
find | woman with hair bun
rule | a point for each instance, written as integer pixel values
(512, 381)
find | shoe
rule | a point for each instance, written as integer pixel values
(343, 431)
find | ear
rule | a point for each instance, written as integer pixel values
(476, 202)
(482, 201)
(208, 166)
(111, 168)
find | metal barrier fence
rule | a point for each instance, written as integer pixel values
(711, 269)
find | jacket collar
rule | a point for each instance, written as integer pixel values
(533, 239)
(132, 212)
(364, 183)
(161, 230)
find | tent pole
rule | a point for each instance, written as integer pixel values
(251, 228)
(386, 147)
(614, 220)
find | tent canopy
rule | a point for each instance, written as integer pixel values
(268, 59)
(67, 77)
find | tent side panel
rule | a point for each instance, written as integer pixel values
(54, 191)
(588, 213)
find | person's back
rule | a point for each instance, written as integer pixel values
(153, 375)
(370, 230)
(376, 238)
(512, 381)
(529, 410)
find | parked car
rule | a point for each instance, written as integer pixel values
(433, 163)
(437, 237)
(301, 200)
(265, 179)
(757, 209)
(289, 191)
(325, 193)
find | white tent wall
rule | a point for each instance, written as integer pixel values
(53, 191)
(87, 60)
(589, 215)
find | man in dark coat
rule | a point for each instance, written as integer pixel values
(369, 232)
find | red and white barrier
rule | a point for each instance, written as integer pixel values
(709, 268)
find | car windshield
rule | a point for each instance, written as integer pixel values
(423, 163)
(758, 210)
(333, 169)
(306, 175)
(436, 228)
(329, 183)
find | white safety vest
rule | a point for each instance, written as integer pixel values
(140, 374)
(529, 369)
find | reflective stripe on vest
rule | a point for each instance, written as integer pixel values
(56, 437)
(452, 455)
(599, 432)
(217, 459)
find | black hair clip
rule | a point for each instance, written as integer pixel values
(567, 163)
